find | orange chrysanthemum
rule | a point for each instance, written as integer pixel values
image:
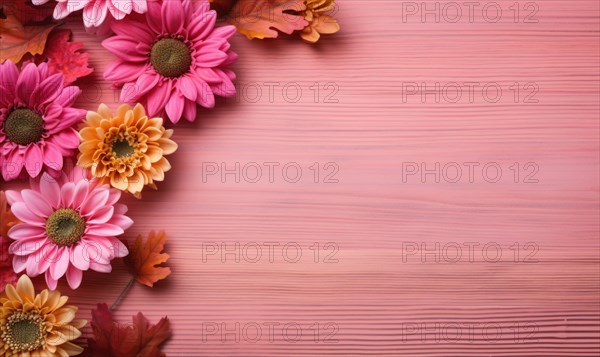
(127, 150)
(318, 22)
(7, 220)
(37, 325)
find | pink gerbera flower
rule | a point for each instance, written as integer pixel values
(96, 11)
(36, 120)
(172, 59)
(69, 226)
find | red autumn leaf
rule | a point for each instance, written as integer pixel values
(145, 256)
(140, 339)
(65, 57)
(261, 18)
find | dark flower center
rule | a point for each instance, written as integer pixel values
(170, 57)
(24, 332)
(65, 226)
(23, 126)
(121, 148)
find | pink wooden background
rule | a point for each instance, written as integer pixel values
(385, 295)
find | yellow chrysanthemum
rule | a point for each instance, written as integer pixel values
(37, 325)
(125, 150)
(318, 22)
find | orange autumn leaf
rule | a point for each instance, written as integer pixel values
(262, 18)
(145, 256)
(16, 40)
(139, 339)
(7, 220)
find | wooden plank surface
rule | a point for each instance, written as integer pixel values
(387, 280)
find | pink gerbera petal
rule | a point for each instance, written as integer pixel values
(158, 98)
(175, 106)
(50, 189)
(19, 263)
(74, 277)
(102, 215)
(59, 267)
(42, 259)
(48, 90)
(125, 48)
(27, 246)
(173, 16)
(80, 256)
(50, 281)
(28, 81)
(101, 268)
(105, 230)
(123, 72)
(36, 203)
(93, 202)
(25, 215)
(53, 156)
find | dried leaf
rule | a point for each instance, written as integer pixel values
(65, 57)
(7, 220)
(144, 258)
(140, 339)
(261, 18)
(16, 39)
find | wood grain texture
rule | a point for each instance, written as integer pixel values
(386, 295)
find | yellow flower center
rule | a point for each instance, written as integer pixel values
(121, 148)
(170, 57)
(23, 126)
(24, 331)
(65, 226)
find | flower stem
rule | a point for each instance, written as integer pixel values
(122, 294)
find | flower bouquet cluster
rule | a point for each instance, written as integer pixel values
(170, 57)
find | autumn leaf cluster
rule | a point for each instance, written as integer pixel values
(266, 18)
(27, 34)
(138, 339)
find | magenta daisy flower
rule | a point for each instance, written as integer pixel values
(95, 12)
(68, 226)
(36, 120)
(172, 59)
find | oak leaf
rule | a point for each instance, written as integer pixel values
(17, 39)
(112, 339)
(261, 18)
(145, 256)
